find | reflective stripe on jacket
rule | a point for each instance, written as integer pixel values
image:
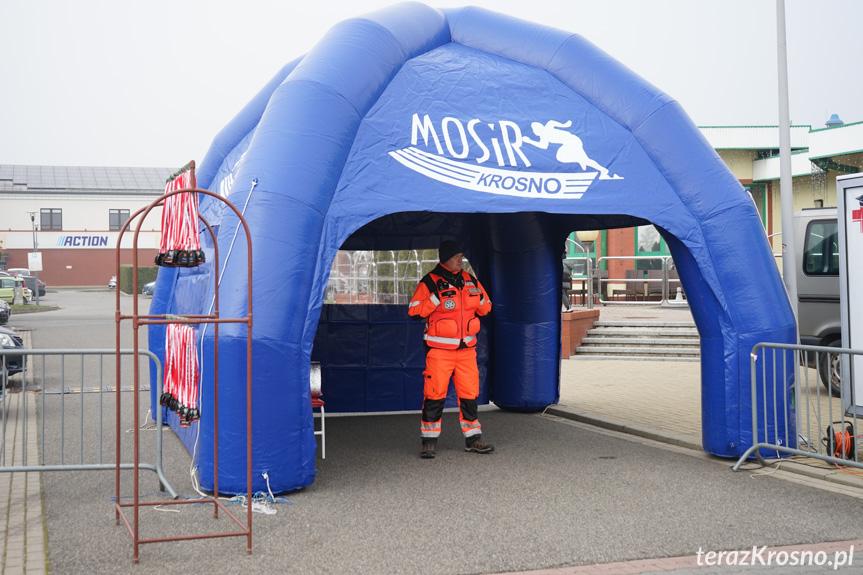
(450, 312)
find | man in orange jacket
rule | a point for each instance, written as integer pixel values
(450, 299)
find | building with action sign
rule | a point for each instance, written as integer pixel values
(74, 214)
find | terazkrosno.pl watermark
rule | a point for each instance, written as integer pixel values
(766, 557)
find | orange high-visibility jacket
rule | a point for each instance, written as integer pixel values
(450, 312)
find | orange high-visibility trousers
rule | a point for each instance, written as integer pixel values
(441, 364)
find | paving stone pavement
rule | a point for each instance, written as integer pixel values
(655, 395)
(661, 400)
(22, 530)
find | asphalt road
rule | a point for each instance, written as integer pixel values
(554, 493)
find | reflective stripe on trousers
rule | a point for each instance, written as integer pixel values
(429, 430)
(471, 428)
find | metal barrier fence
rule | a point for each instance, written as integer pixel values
(583, 275)
(819, 421)
(640, 287)
(69, 423)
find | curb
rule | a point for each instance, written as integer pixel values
(624, 427)
(38, 310)
(834, 476)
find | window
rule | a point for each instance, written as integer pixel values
(51, 219)
(116, 219)
(648, 242)
(379, 277)
(821, 251)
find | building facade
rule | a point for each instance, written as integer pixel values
(73, 215)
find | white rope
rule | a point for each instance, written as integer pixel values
(270, 491)
(165, 510)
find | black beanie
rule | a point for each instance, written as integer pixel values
(447, 249)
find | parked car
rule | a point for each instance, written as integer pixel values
(818, 308)
(5, 312)
(19, 271)
(7, 288)
(32, 284)
(149, 288)
(13, 363)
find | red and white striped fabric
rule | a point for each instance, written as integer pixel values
(180, 217)
(181, 371)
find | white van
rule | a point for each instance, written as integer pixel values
(817, 266)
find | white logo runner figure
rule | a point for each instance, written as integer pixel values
(571, 150)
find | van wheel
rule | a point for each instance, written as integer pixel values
(829, 369)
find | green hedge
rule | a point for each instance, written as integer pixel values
(145, 276)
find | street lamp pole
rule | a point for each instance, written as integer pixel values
(35, 250)
(786, 195)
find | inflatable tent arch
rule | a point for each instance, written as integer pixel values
(413, 125)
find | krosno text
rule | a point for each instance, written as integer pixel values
(763, 556)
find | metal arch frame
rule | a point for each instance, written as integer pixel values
(214, 318)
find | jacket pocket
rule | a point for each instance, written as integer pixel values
(472, 301)
(473, 326)
(445, 328)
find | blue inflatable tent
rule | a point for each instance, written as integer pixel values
(413, 125)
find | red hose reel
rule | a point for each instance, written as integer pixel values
(840, 443)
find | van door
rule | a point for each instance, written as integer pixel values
(818, 282)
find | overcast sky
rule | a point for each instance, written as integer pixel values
(116, 83)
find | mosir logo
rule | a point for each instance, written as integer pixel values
(503, 143)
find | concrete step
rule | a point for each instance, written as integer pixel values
(644, 323)
(641, 341)
(638, 351)
(589, 357)
(643, 332)
(636, 339)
